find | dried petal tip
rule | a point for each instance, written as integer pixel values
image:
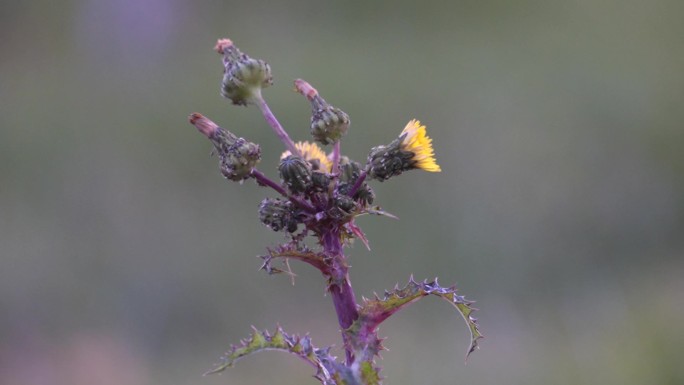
(304, 88)
(203, 124)
(222, 44)
(411, 150)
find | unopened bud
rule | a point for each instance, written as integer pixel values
(296, 173)
(237, 156)
(344, 207)
(350, 171)
(243, 76)
(278, 215)
(320, 180)
(328, 123)
(237, 163)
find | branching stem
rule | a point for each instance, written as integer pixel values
(266, 181)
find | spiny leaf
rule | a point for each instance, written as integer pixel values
(356, 230)
(375, 311)
(301, 254)
(261, 340)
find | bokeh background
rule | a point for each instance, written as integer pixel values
(125, 258)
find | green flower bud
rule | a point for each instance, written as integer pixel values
(320, 180)
(243, 76)
(296, 173)
(343, 208)
(349, 170)
(349, 173)
(328, 123)
(365, 194)
(388, 161)
(238, 160)
(278, 215)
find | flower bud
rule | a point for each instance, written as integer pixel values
(296, 173)
(239, 159)
(278, 215)
(320, 180)
(237, 156)
(344, 207)
(328, 123)
(350, 171)
(243, 76)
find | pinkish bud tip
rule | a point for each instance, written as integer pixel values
(203, 124)
(305, 89)
(222, 44)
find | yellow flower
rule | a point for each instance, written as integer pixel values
(415, 140)
(312, 154)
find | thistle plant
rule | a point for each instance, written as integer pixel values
(320, 196)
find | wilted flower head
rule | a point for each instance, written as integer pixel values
(411, 150)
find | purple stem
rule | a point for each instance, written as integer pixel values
(340, 287)
(358, 183)
(277, 128)
(266, 181)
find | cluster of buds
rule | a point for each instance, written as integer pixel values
(321, 194)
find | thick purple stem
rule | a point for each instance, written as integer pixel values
(277, 128)
(340, 287)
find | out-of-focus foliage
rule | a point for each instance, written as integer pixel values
(560, 206)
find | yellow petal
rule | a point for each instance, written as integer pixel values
(417, 142)
(311, 152)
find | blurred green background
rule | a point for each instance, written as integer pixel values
(125, 258)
